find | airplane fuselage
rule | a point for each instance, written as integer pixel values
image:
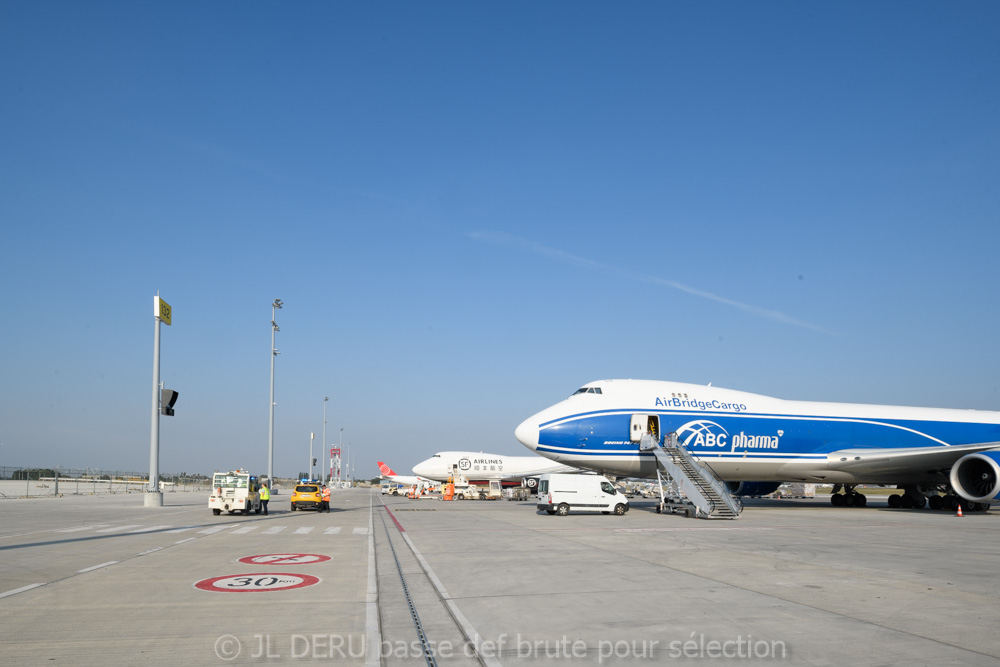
(748, 437)
(480, 466)
(408, 480)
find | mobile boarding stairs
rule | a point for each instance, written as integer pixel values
(686, 485)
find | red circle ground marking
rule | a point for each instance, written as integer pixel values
(284, 559)
(257, 582)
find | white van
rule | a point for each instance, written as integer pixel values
(560, 493)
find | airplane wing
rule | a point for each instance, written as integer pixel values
(901, 460)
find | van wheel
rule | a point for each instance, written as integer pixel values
(216, 512)
(563, 509)
(293, 507)
(620, 509)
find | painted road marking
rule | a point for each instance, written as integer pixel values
(467, 628)
(114, 528)
(273, 530)
(20, 590)
(148, 530)
(373, 641)
(284, 559)
(257, 582)
(97, 567)
(186, 540)
(144, 553)
(79, 528)
(674, 530)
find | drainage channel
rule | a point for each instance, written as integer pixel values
(424, 641)
(452, 638)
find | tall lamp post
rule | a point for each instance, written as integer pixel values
(312, 461)
(153, 497)
(322, 450)
(270, 438)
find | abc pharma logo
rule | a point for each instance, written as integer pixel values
(702, 433)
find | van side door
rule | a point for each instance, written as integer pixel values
(608, 495)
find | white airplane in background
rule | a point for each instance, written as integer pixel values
(407, 480)
(480, 467)
(749, 438)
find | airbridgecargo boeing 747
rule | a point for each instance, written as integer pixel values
(749, 438)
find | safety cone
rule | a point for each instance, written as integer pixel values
(959, 510)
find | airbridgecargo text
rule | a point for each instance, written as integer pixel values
(677, 402)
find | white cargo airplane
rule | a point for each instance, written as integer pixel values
(406, 480)
(480, 467)
(757, 441)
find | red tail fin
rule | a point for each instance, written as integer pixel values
(384, 469)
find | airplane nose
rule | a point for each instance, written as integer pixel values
(420, 470)
(527, 433)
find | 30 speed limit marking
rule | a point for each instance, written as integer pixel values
(258, 582)
(284, 559)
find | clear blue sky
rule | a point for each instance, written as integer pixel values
(470, 209)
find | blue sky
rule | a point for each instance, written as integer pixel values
(471, 209)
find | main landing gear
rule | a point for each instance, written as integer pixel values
(915, 497)
(941, 497)
(949, 502)
(849, 498)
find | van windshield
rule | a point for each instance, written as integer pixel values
(543, 486)
(607, 488)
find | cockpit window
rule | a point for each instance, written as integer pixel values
(587, 390)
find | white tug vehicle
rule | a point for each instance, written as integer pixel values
(234, 491)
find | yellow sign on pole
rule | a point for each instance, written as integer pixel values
(162, 310)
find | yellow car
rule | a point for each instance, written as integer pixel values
(306, 496)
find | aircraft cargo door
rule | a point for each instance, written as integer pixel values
(642, 424)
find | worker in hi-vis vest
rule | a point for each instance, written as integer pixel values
(265, 495)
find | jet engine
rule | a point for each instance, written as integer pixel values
(752, 488)
(976, 477)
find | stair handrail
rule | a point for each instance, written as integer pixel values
(705, 471)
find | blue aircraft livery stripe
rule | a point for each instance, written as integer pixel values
(787, 434)
(701, 455)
